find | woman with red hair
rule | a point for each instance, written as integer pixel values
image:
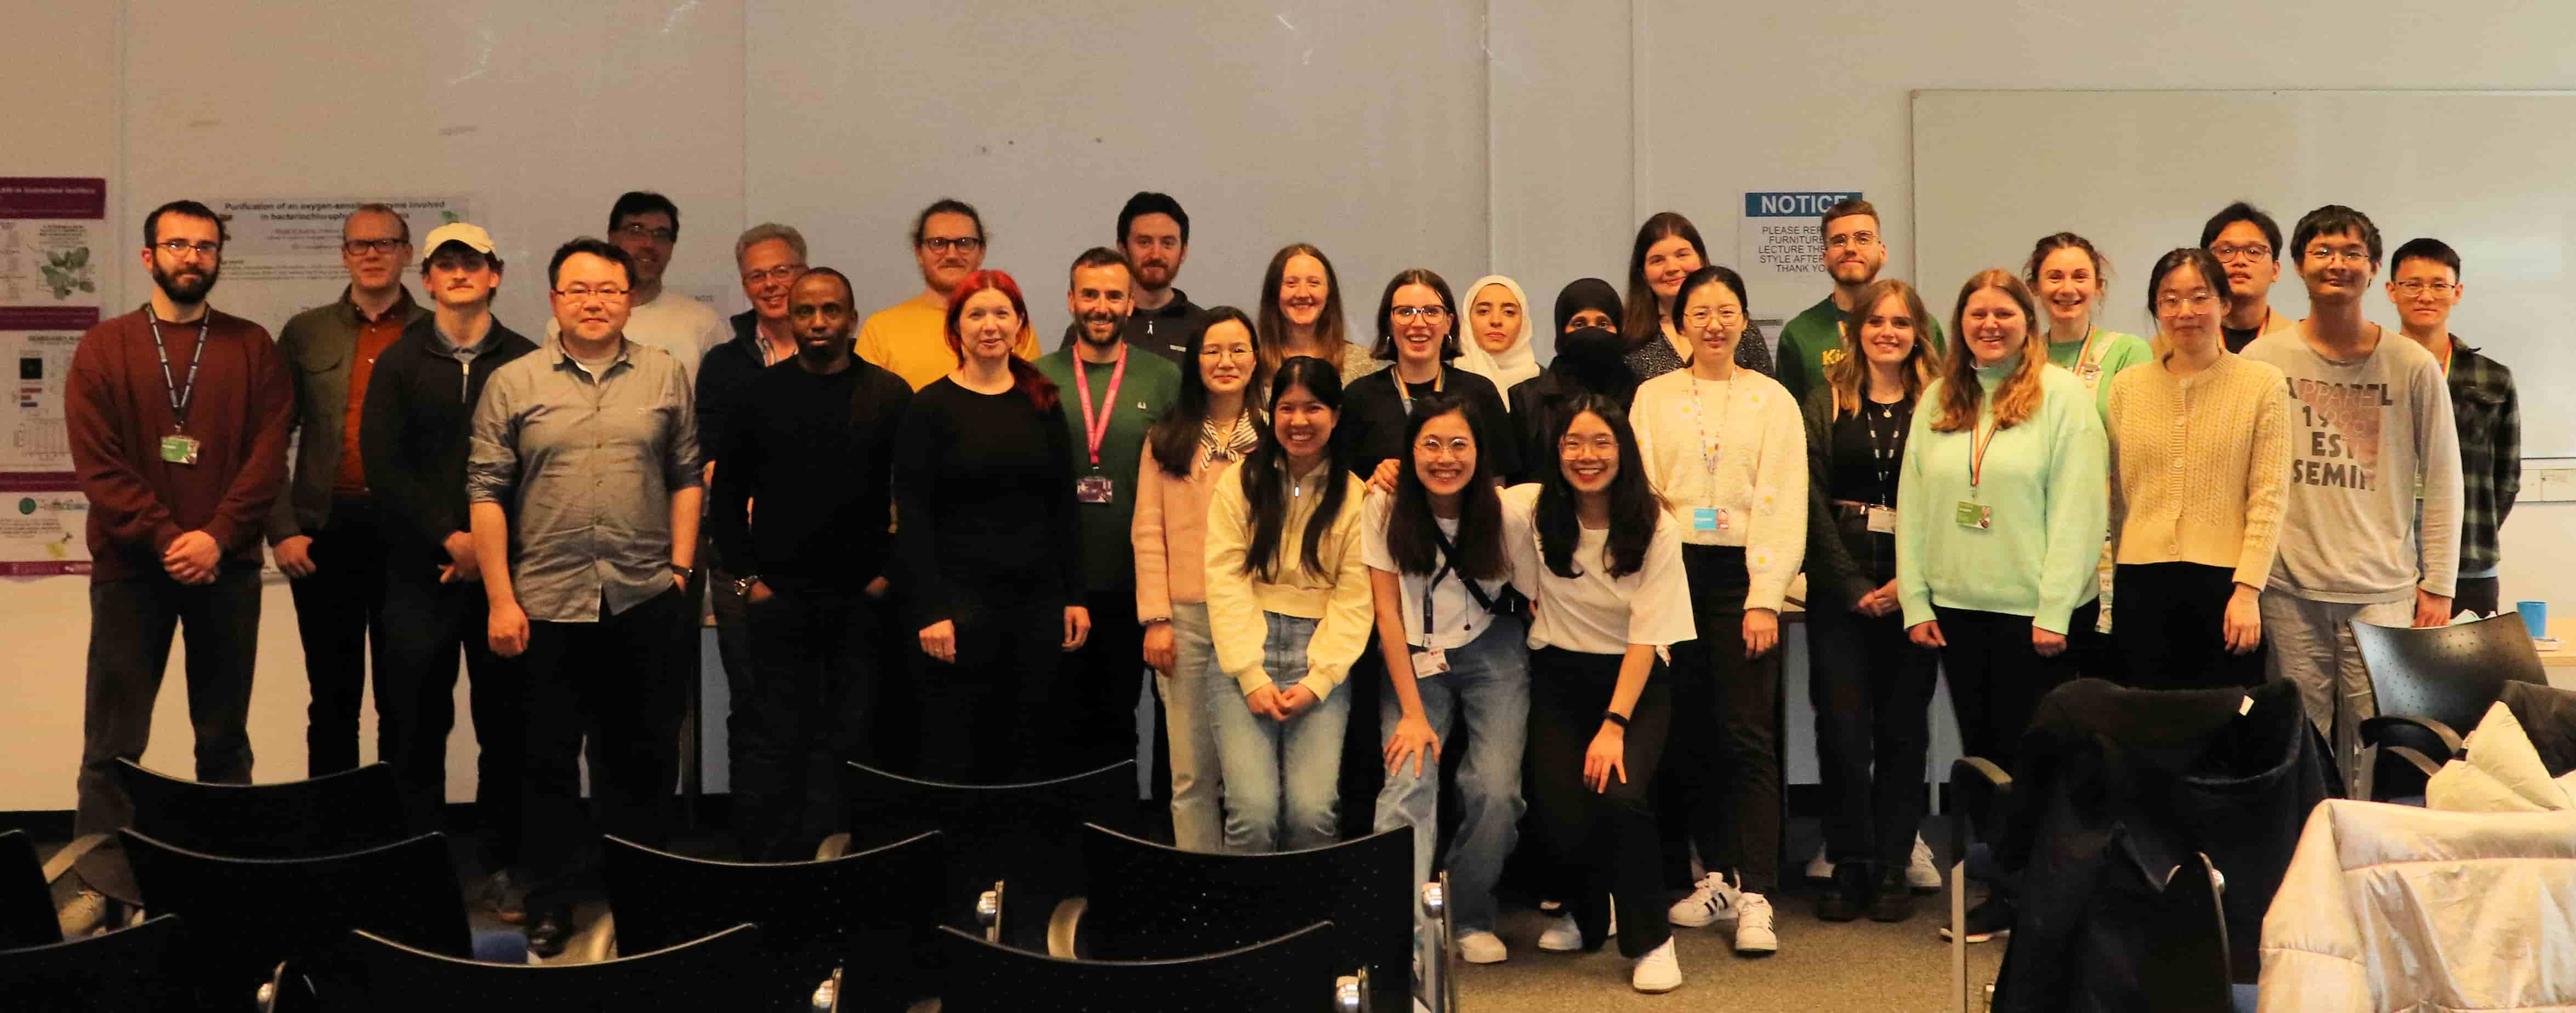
(984, 493)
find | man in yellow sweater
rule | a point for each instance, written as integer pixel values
(910, 337)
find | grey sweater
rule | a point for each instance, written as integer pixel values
(2361, 434)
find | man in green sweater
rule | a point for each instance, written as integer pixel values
(1114, 396)
(1854, 253)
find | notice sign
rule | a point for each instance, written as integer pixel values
(1781, 250)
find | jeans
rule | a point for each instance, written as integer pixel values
(1873, 694)
(1198, 818)
(1600, 843)
(712, 583)
(616, 683)
(1723, 769)
(339, 615)
(426, 624)
(813, 698)
(1488, 685)
(2173, 632)
(1281, 778)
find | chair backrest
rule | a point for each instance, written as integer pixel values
(121, 971)
(335, 814)
(1150, 902)
(1293, 972)
(2186, 970)
(246, 915)
(860, 913)
(1028, 834)
(713, 973)
(26, 905)
(2447, 673)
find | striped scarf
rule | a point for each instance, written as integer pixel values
(1225, 446)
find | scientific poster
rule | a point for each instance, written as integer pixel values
(43, 534)
(52, 243)
(1780, 252)
(53, 250)
(282, 254)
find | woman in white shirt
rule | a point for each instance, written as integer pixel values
(1726, 449)
(1453, 644)
(1601, 563)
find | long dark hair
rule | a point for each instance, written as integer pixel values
(1174, 438)
(1411, 530)
(1025, 378)
(1427, 278)
(1634, 507)
(1642, 324)
(1265, 472)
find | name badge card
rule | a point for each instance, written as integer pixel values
(1092, 489)
(1972, 515)
(1882, 520)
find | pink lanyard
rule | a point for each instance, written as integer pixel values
(1094, 433)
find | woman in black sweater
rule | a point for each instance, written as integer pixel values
(1419, 321)
(984, 496)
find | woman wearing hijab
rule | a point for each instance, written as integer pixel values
(1497, 332)
(1589, 359)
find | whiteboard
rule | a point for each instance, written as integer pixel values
(2138, 172)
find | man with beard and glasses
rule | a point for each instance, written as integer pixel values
(178, 417)
(810, 441)
(325, 529)
(647, 226)
(1117, 396)
(1154, 233)
(911, 337)
(1854, 251)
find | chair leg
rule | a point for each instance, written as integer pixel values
(1959, 911)
(988, 913)
(1440, 966)
(1351, 992)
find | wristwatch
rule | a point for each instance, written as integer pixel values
(1149, 623)
(742, 585)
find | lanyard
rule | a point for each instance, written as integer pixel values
(1977, 459)
(2084, 355)
(1711, 450)
(1406, 393)
(1094, 433)
(179, 395)
(1882, 454)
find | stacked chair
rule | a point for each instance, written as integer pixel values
(123, 971)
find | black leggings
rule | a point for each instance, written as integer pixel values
(1600, 842)
(2171, 627)
(1997, 678)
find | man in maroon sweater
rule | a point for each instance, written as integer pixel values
(178, 417)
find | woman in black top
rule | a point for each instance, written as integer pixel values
(1419, 333)
(984, 497)
(1872, 688)
(1668, 249)
(1589, 359)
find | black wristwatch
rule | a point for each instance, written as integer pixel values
(1614, 717)
(742, 585)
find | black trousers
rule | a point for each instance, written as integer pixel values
(130, 626)
(2171, 627)
(811, 706)
(339, 613)
(1872, 689)
(996, 715)
(1599, 843)
(1997, 678)
(711, 585)
(1103, 679)
(1721, 781)
(2478, 593)
(616, 683)
(427, 624)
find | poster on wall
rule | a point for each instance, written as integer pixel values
(54, 278)
(1780, 251)
(282, 254)
(43, 534)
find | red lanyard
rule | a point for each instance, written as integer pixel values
(1095, 432)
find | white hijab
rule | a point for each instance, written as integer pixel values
(1513, 364)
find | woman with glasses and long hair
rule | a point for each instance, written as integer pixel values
(1593, 548)
(2199, 464)
(1288, 609)
(1301, 314)
(1212, 425)
(1452, 640)
(1667, 250)
(1999, 512)
(983, 483)
(1419, 334)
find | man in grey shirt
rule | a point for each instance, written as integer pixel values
(2370, 416)
(583, 488)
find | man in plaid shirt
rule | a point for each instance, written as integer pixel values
(2424, 283)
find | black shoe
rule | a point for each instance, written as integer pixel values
(1895, 901)
(548, 933)
(1853, 890)
(507, 900)
(1992, 918)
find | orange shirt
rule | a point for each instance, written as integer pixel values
(373, 338)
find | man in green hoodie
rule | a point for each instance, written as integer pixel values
(1855, 250)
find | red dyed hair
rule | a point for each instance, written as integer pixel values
(1025, 378)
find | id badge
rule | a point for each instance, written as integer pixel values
(1708, 519)
(1973, 515)
(1882, 520)
(1429, 661)
(179, 449)
(1091, 489)
(2091, 375)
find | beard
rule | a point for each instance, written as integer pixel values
(823, 353)
(1113, 323)
(188, 285)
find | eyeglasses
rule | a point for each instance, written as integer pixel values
(1597, 444)
(2354, 254)
(1455, 446)
(639, 231)
(359, 247)
(2195, 302)
(1850, 239)
(606, 293)
(2249, 251)
(181, 248)
(2439, 288)
(943, 244)
(1701, 317)
(1427, 314)
(783, 272)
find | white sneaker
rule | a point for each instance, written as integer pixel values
(1658, 971)
(86, 914)
(1753, 935)
(1483, 948)
(1821, 869)
(1560, 936)
(1712, 900)
(1920, 874)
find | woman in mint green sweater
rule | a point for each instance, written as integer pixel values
(2000, 512)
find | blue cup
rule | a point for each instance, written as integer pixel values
(2535, 617)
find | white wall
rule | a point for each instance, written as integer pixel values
(1576, 123)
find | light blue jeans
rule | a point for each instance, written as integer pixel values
(1198, 821)
(1488, 685)
(1282, 779)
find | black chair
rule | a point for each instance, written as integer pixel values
(1980, 799)
(246, 916)
(26, 904)
(1289, 974)
(126, 971)
(336, 814)
(858, 916)
(2432, 685)
(2187, 971)
(1017, 843)
(712, 973)
(1151, 902)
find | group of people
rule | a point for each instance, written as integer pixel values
(1573, 566)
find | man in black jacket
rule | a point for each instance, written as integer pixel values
(413, 440)
(811, 441)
